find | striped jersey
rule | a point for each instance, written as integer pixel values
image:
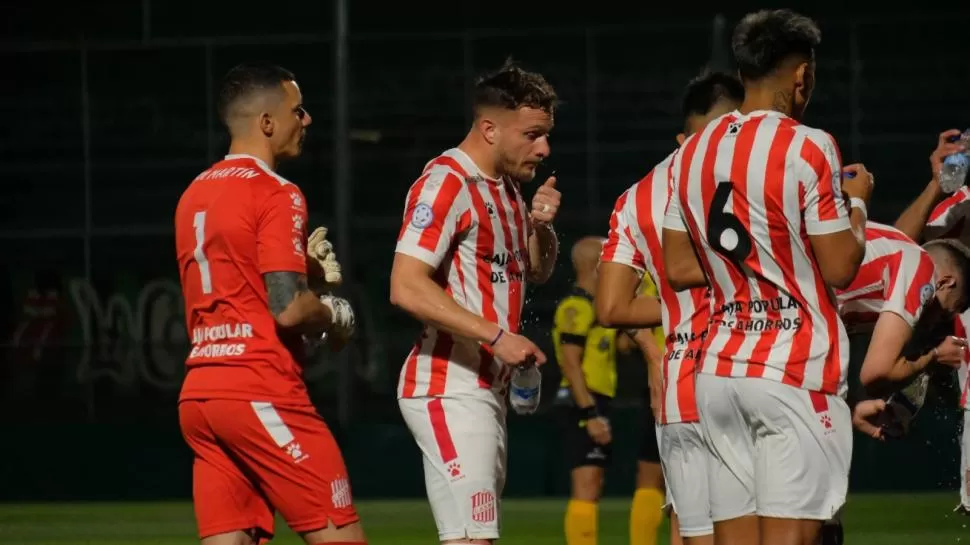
(750, 190)
(896, 276)
(473, 230)
(949, 220)
(634, 241)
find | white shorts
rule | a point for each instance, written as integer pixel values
(683, 456)
(775, 450)
(463, 443)
(965, 462)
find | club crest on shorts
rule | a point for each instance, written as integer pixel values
(483, 506)
(422, 216)
(925, 293)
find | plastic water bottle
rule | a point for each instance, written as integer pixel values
(955, 166)
(524, 388)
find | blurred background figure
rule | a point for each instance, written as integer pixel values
(587, 353)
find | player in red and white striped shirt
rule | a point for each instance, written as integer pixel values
(902, 287)
(929, 217)
(466, 249)
(632, 249)
(759, 197)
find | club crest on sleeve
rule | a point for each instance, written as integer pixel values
(423, 216)
(925, 293)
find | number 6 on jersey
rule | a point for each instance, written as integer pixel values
(199, 223)
(725, 232)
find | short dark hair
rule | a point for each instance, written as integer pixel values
(707, 89)
(511, 87)
(245, 80)
(765, 39)
(958, 254)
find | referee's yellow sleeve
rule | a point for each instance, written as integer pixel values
(648, 287)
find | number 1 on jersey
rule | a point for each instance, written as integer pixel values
(725, 232)
(199, 223)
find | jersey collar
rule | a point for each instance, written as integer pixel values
(262, 164)
(470, 167)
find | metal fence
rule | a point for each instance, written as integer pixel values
(106, 135)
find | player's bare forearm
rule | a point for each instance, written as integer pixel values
(543, 252)
(413, 291)
(617, 302)
(654, 358)
(572, 370)
(913, 219)
(884, 359)
(641, 312)
(857, 253)
(294, 305)
(840, 254)
(682, 265)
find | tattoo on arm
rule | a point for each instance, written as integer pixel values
(282, 288)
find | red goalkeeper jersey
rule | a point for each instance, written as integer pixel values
(235, 222)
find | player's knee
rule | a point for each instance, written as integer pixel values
(650, 475)
(587, 483)
(238, 537)
(348, 534)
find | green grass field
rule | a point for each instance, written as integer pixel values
(916, 519)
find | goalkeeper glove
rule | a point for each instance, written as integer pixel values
(320, 250)
(343, 321)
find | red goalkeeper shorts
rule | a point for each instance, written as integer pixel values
(254, 458)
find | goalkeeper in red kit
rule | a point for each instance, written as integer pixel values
(252, 281)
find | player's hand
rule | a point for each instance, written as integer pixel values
(857, 182)
(599, 430)
(950, 352)
(320, 250)
(864, 417)
(513, 350)
(545, 203)
(343, 321)
(943, 148)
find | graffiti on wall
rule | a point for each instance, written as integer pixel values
(131, 338)
(132, 334)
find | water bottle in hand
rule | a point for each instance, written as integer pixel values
(524, 388)
(955, 166)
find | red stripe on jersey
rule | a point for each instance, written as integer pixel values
(439, 427)
(946, 204)
(609, 249)
(411, 368)
(741, 210)
(440, 355)
(412, 203)
(514, 270)
(485, 245)
(685, 161)
(875, 231)
(781, 252)
(521, 215)
(442, 204)
(832, 368)
(708, 188)
(824, 174)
